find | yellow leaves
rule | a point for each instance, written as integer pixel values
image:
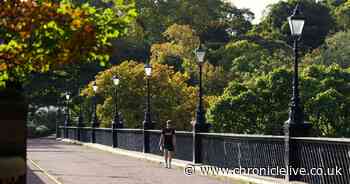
(76, 24)
(64, 56)
(24, 34)
(183, 35)
(3, 67)
(78, 16)
(77, 13)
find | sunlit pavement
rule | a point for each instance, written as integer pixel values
(74, 164)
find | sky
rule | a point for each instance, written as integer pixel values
(256, 6)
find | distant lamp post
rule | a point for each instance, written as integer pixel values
(200, 118)
(231, 32)
(147, 118)
(67, 121)
(295, 125)
(147, 123)
(94, 115)
(116, 121)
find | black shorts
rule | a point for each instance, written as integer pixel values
(169, 147)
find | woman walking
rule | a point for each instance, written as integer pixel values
(167, 143)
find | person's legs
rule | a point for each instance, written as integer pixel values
(170, 154)
(165, 158)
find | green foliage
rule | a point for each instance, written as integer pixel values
(203, 15)
(335, 50)
(243, 56)
(182, 43)
(178, 52)
(40, 131)
(42, 122)
(342, 15)
(47, 35)
(250, 58)
(319, 22)
(260, 105)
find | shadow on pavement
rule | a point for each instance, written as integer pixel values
(32, 178)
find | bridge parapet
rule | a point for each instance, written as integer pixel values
(238, 151)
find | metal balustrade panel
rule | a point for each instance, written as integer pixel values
(243, 152)
(130, 139)
(61, 130)
(326, 155)
(58, 132)
(184, 146)
(71, 133)
(85, 134)
(104, 136)
(154, 138)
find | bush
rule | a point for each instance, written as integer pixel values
(39, 131)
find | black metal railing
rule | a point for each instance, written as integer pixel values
(85, 134)
(103, 136)
(326, 155)
(184, 146)
(236, 151)
(154, 137)
(243, 151)
(130, 139)
(71, 132)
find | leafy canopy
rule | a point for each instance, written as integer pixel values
(37, 36)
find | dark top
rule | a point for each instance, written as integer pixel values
(168, 135)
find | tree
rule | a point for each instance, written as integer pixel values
(178, 53)
(249, 58)
(319, 22)
(182, 43)
(38, 36)
(242, 56)
(172, 98)
(327, 90)
(336, 50)
(202, 15)
(342, 15)
(260, 105)
(256, 106)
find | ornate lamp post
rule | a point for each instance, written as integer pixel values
(94, 115)
(116, 121)
(296, 115)
(147, 123)
(200, 117)
(200, 124)
(295, 125)
(147, 118)
(94, 123)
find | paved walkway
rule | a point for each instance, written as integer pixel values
(74, 164)
(36, 175)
